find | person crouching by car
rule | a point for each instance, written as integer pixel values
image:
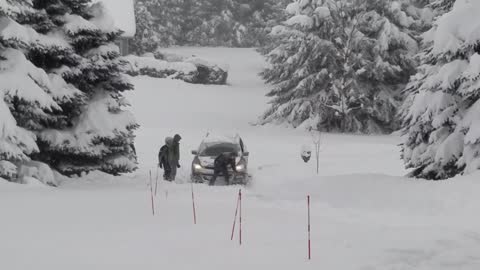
(163, 158)
(220, 166)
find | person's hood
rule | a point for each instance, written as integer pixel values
(169, 141)
(177, 138)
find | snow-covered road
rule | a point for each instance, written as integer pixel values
(365, 216)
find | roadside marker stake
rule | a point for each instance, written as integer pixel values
(156, 183)
(235, 218)
(308, 228)
(193, 204)
(151, 193)
(238, 212)
(240, 215)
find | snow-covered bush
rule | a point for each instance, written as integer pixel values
(191, 70)
(340, 65)
(36, 170)
(441, 114)
(156, 68)
(8, 170)
(60, 82)
(208, 72)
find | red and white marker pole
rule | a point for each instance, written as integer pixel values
(151, 194)
(235, 218)
(240, 215)
(156, 183)
(194, 210)
(238, 212)
(308, 228)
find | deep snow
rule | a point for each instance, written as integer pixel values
(365, 215)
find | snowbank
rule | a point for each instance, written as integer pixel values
(29, 173)
(378, 193)
(7, 169)
(36, 173)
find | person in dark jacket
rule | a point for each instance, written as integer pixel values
(220, 166)
(163, 158)
(174, 156)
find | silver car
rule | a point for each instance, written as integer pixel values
(210, 148)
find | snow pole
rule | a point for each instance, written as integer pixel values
(308, 229)
(235, 218)
(240, 216)
(151, 193)
(156, 183)
(193, 205)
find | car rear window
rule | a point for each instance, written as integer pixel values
(219, 148)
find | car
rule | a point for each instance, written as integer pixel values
(210, 148)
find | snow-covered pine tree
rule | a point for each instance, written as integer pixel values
(441, 6)
(340, 65)
(301, 56)
(167, 21)
(100, 137)
(30, 99)
(147, 37)
(218, 25)
(193, 17)
(440, 115)
(239, 23)
(70, 95)
(258, 18)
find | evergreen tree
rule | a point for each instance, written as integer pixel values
(146, 38)
(258, 17)
(340, 65)
(442, 6)
(167, 20)
(30, 99)
(239, 23)
(235, 23)
(69, 101)
(101, 136)
(440, 115)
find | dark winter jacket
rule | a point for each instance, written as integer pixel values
(174, 151)
(224, 160)
(163, 156)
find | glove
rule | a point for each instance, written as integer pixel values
(178, 166)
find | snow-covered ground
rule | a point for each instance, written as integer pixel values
(365, 215)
